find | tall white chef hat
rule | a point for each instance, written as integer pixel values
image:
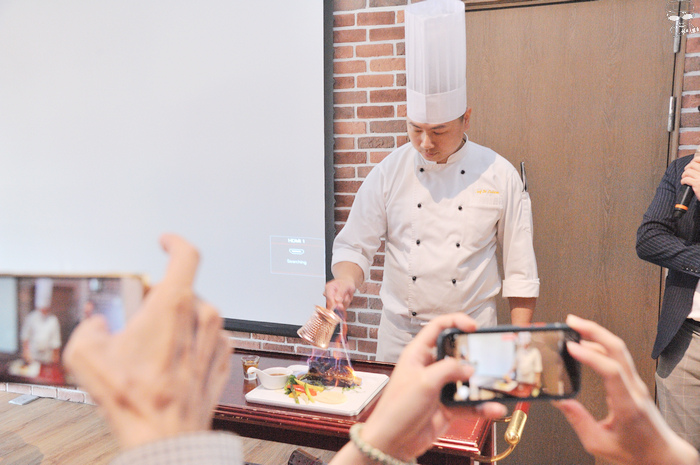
(436, 61)
(43, 289)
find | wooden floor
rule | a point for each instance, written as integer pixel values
(50, 431)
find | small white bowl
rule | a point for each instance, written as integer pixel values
(272, 378)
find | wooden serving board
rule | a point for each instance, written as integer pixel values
(357, 398)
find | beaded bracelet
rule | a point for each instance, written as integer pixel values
(372, 452)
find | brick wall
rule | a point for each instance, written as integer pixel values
(689, 137)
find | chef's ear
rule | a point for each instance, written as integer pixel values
(465, 119)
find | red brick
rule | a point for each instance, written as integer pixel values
(253, 345)
(400, 16)
(277, 348)
(343, 52)
(357, 331)
(385, 33)
(401, 80)
(344, 201)
(369, 318)
(375, 142)
(375, 80)
(689, 138)
(375, 111)
(363, 171)
(349, 35)
(348, 97)
(238, 334)
(347, 187)
(268, 337)
(387, 95)
(687, 101)
(382, 65)
(692, 64)
(343, 112)
(373, 333)
(376, 18)
(350, 127)
(376, 304)
(344, 20)
(349, 158)
(347, 5)
(691, 83)
(305, 350)
(378, 260)
(401, 49)
(684, 152)
(345, 172)
(360, 302)
(400, 140)
(376, 275)
(344, 143)
(401, 110)
(689, 120)
(367, 346)
(370, 288)
(692, 45)
(374, 50)
(341, 215)
(349, 67)
(391, 126)
(344, 82)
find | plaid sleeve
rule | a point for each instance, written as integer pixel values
(211, 448)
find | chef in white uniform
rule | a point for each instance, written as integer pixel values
(442, 203)
(41, 332)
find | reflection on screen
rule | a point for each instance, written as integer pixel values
(40, 313)
(520, 364)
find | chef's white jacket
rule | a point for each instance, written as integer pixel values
(442, 223)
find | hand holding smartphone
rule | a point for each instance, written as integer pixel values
(512, 363)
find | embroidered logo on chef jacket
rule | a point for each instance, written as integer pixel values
(486, 197)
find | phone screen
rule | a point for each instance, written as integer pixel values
(39, 313)
(512, 364)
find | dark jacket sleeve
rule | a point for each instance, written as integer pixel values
(674, 244)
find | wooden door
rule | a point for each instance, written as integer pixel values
(579, 92)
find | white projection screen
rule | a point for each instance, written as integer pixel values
(121, 120)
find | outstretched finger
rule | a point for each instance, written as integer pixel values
(427, 337)
(584, 424)
(184, 258)
(614, 347)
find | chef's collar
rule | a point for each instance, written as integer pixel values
(455, 157)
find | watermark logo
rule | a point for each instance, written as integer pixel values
(681, 12)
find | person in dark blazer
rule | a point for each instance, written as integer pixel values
(674, 243)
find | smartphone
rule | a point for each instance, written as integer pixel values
(39, 313)
(512, 363)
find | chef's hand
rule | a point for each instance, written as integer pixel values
(340, 291)
(409, 416)
(691, 174)
(165, 372)
(633, 431)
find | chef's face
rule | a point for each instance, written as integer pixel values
(436, 142)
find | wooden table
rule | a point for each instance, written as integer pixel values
(465, 439)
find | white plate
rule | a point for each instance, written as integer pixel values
(358, 398)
